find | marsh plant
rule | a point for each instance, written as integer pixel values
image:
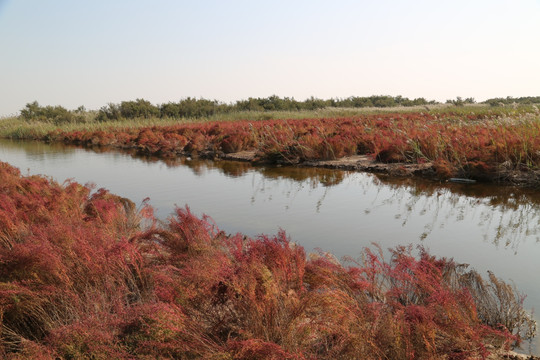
(82, 278)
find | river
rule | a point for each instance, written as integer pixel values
(489, 227)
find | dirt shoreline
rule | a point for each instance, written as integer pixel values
(510, 355)
(365, 163)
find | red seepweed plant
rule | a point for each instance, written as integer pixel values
(80, 278)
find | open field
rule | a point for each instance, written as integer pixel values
(477, 142)
(87, 275)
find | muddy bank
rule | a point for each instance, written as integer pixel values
(504, 175)
(511, 355)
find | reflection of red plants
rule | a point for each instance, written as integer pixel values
(81, 279)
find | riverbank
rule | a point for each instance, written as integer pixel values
(366, 163)
(114, 288)
(482, 145)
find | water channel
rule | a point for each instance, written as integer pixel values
(489, 227)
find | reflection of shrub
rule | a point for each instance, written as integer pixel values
(56, 114)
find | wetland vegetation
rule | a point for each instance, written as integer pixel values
(479, 142)
(87, 274)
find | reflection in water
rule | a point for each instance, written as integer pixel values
(314, 176)
(507, 215)
(38, 150)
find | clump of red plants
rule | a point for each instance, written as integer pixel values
(82, 278)
(473, 146)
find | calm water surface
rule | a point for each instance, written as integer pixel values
(489, 227)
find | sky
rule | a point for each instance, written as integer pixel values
(95, 52)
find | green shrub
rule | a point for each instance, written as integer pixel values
(109, 112)
(56, 114)
(527, 100)
(139, 108)
(459, 101)
(193, 108)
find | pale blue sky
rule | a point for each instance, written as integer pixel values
(71, 53)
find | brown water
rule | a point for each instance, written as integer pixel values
(489, 227)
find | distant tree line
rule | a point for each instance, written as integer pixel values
(197, 108)
(527, 100)
(290, 104)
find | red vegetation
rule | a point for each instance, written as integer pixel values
(79, 279)
(466, 146)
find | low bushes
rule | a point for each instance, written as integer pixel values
(58, 115)
(80, 279)
(139, 108)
